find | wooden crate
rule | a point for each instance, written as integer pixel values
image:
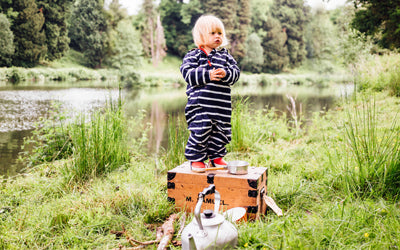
(236, 190)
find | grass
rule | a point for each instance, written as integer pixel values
(381, 73)
(68, 69)
(312, 177)
(371, 164)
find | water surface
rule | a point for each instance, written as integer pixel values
(23, 109)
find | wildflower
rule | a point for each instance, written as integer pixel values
(246, 244)
(366, 235)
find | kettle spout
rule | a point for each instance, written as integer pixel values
(192, 244)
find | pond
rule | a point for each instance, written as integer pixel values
(23, 107)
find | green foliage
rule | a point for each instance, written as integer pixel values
(293, 16)
(88, 31)
(6, 42)
(379, 73)
(319, 211)
(100, 144)
(55, 27)
(131, 78)
(236, 18)
(372, 161)
(320, 36)
(178, 20)
(16, 75)
(254, 58)
(394, 82)
(127, 50)
(178, 135)
(240, 127)
(260, 11)
(29, 37)
(50, 141)
(379, 19)
(116, 13)
(251, 128)
(275, 48)
(352, 46)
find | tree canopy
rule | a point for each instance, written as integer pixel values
(379, 19)
(6, 42)
(264, 35)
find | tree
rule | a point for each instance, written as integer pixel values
(178, 19)
(29, 37)
(293, 15)
(55, 26)
(254, 58)
(160, 43)
(116, 13)
(379, 19)
(6, 42)
(320, 35)
(127, 50)
(275, 47)
(150, 26)
(351, 43)
(88, 31)
(235, 14)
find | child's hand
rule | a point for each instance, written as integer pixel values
(217, 74)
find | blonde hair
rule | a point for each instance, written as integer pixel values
(203, 28)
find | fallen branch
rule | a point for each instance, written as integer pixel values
(164, 236)
(159, 234)
(168, 230)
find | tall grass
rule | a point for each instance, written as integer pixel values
(100, 144)
(50, 140)
(382, 73)
(240, 126)
(373, 165)
(178, 135)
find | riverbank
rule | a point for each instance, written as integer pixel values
(336, 181)
(69, 69)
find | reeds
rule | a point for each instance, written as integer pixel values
(178, 135)
(240, 126)
(100, 144)
(374, 152)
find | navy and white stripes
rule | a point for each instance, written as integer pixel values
(208, 111)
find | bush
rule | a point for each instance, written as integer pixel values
(16, 75)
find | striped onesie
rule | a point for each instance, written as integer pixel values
(208, 110)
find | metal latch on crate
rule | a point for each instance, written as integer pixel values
(271, 203)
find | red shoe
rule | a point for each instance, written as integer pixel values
(218, 163)
(198, 166)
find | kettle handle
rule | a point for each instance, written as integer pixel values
(217, 199)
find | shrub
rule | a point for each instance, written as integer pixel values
(16, 75)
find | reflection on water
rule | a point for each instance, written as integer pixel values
(21, 108)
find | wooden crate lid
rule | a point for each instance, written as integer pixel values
(255, 178)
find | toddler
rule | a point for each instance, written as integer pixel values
(209, 72)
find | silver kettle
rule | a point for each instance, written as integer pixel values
(209, 230)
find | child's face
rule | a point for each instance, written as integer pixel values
(214, 39)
